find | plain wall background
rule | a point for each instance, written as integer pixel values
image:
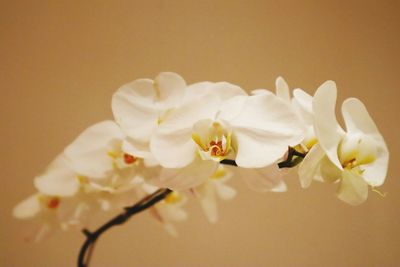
(62, 60)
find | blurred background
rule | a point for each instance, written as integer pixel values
(62, 60)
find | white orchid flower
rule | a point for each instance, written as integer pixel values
(53, 213)
(357, 157)
(98, 161)
(212, 189)
(141, 105)
(41, 208)
(254, 130)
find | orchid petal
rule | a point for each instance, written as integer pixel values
(282, 89)
(169, 89)
(328, 171)
(208, 201)
(262, 179)
(353, 189)
(135, 148)
(187, 177)
(280, 188)
(259, 91)
(88, 153)
(309, 166)
(226, 90)
(205, 107)
(174, 149)
(28, 208)
(58, 182)
(225, 192)
(172, 212)
(221, 90)
(327, 129)
(134, 109)
(263, 129)
(303, 104)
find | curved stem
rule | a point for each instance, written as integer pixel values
(91, 237)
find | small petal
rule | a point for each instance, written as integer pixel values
(225, 192)
(353, 189)
(303, 104)
(28, 208)
(280, 188)
(327, 129)
(282, 89)
(208, 201)
(174, 149)
(328, 172)
(309, 166)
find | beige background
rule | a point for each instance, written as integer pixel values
(61, 62)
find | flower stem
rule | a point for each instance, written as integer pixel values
(294, 157)
(91, 237)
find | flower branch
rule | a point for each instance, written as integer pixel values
(170, 134)
(92, 237)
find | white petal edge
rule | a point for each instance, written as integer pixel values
(282, 89)
(327, 129)
(303, 103)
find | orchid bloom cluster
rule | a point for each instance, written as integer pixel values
(168, 134)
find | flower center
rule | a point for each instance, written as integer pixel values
(216, 148)
(122, 160)
(129, 159)
(356, 150)
(53, 203)
(212, 139)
